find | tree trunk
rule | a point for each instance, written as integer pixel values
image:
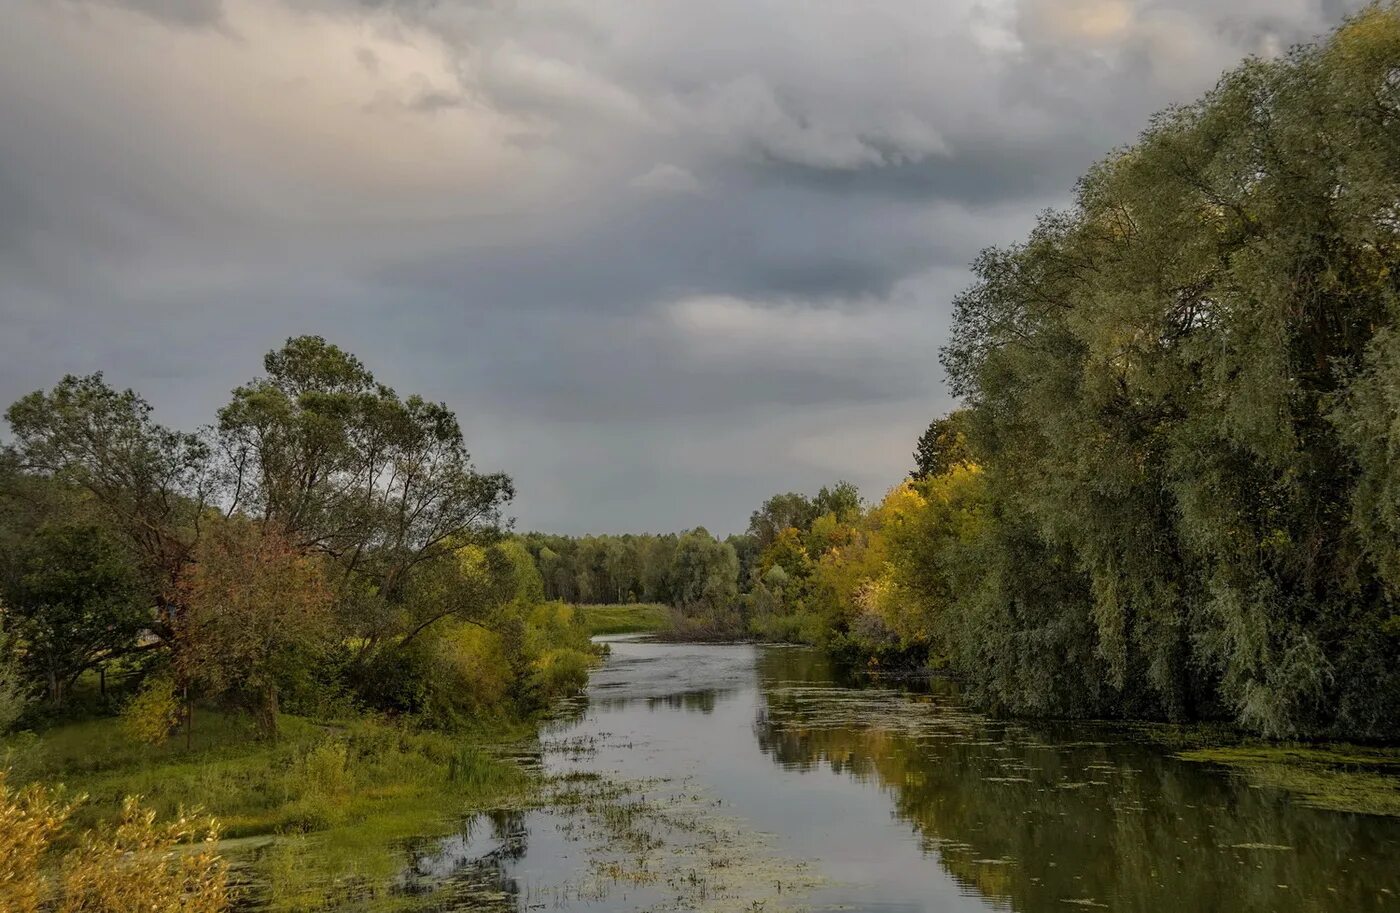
(268, 717)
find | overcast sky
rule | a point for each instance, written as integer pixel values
(663, 257)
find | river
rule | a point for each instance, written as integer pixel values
(740, 777)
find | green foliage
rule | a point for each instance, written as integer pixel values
(611, 570)
(14, 691)
(943, 446)
(1182, 392)
(705, 583)
(1181, 396)
(149, 483)
(560, 672)
(74, 599)
(359, 787)
(350, 527)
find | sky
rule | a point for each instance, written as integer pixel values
(664, 258)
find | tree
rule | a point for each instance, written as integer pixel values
(704, 574)
(339, 463)
(151, 483)
(780, 512)
(75, 600)
(335, 463)
(470, 585)
(841, 500)
(1182, 391)
(942, 446)
(14, 690)
(258, 607)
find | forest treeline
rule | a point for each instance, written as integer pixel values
(1173, 491)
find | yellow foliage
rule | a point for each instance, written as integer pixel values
(29, 820)
(153, 713)
(141, 865)
(475, 661)
(132, 864)
(1369, 42)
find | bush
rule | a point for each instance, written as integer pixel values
(132, 863)
(14, 696)
(153, 713)
(560, 672)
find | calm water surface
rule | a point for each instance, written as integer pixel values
(886, 800)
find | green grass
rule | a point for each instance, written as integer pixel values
(634, 618)
(315, 821)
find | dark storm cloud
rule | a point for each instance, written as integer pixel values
(663, 258)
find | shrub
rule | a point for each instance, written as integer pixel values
(560, 672)
(29, 821)
(132, 863)
(153, 713)
(139, 864)
(14, 696)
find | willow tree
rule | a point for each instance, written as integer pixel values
(1183, 391)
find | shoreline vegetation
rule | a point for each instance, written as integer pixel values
(317, 820)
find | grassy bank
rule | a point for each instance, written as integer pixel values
(634, 618)
(317, 820)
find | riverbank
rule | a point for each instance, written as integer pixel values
(317, 820)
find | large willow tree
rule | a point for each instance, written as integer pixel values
(1185, 393)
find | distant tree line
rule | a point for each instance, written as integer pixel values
(694, 572)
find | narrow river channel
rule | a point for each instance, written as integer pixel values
(737, 777)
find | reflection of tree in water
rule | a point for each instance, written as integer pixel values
(566, 713)
(469, 870)
(1030, 816)
(699, 700)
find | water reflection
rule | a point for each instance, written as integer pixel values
(700, 700)
(471, 869)
(1038, 817)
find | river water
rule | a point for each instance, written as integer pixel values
(739, 777)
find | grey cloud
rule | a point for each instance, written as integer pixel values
(663, 258)
(184, 13)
